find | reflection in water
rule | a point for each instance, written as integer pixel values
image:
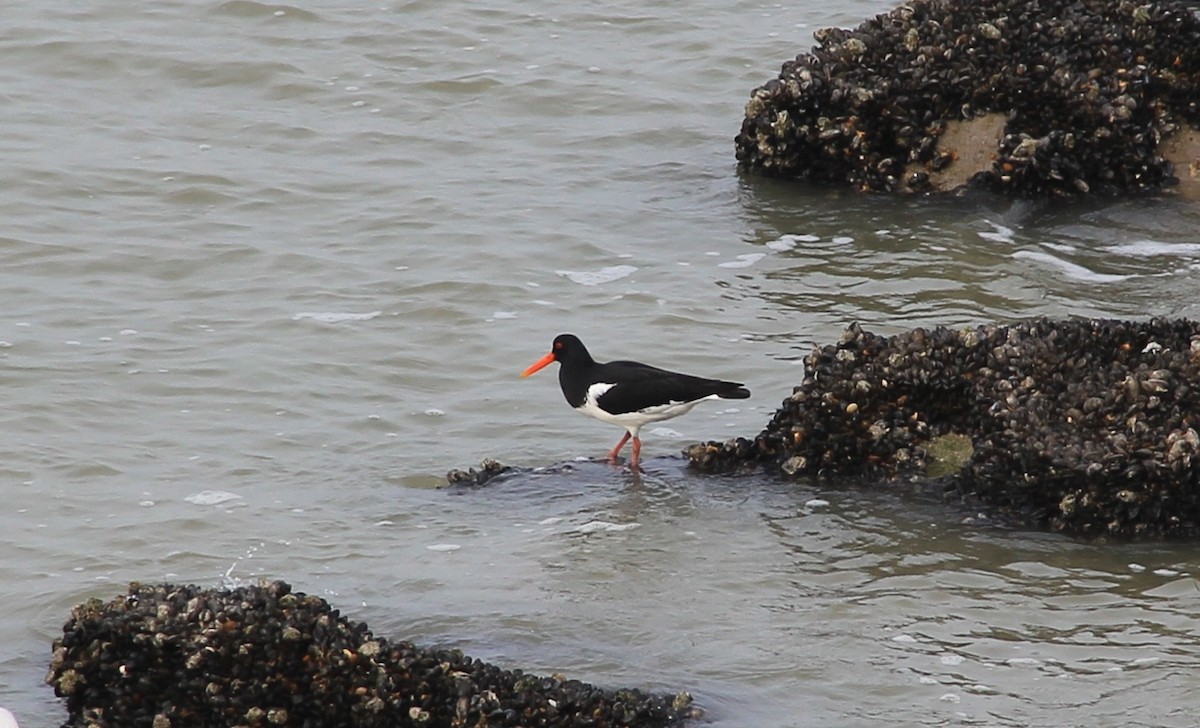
(1009, 624)
(893, 263)
(871, 602)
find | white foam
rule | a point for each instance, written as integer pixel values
(504, 314)
(1023, 662)
(435, 412)
(816, 503)
(595, 278)
(904, 638)
(841, 239)
(951, 659)
(1069, 269)
(334, 317)
(1152, 248)
(443, 547)
(1002, 234)
(1137, 568)
(666, 432)
(595, 526)
(212, 497)
(789, 242)
(743, 261)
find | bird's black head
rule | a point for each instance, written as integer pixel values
(567, 348)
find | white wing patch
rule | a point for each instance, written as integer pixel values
(594, 392)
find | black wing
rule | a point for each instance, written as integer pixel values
(638, 386)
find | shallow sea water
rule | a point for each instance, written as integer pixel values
(270, 271)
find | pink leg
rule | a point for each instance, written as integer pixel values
(612, 456)
(637, 452)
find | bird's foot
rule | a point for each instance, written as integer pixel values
(617, 462)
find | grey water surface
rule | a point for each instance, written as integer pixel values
(269, 271)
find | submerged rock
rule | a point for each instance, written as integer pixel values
(1059, 97)
(1083, 426)
(488, 469)
(168, 655)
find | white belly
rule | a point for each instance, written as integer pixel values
(634, 421)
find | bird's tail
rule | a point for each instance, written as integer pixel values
(736, 391)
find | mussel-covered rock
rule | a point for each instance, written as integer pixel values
(1058, 97)
(488, 469)
(1084, 426)
(166, 655)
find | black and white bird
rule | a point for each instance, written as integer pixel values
(628, 393)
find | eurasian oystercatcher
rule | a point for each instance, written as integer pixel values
(628, 393)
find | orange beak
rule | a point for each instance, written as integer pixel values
(539, 364)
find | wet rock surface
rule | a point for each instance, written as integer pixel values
(1084, 426)
(488, 469)
(168, 655)
(1064, 97)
